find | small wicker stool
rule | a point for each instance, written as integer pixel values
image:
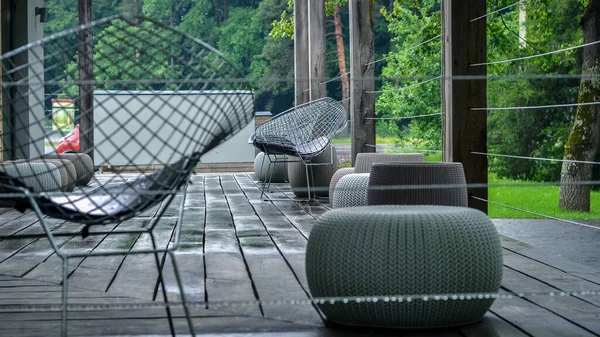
(261, 167)
(364, 161)
(351, 191)
(321, 170)
(405, 264)
(84, 166)
(418, 184)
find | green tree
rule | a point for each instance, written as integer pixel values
(412, 85)
(583, 143)
(540, 133)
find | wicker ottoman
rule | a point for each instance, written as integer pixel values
(261, 167)
(351, 191)
(39, 176)
(418, 184)
(83, 163)
(404, 266)
(321, 174)
(364, 161)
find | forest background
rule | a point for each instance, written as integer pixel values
(257, 36)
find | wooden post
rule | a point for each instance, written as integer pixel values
(316, 49)
(1, 106)
(301, 68)
(86, 76)
(362, 82)
(465, 131)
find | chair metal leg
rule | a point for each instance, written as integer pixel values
(262, 192)
(65, 295)
(186, 309)
(65, 261)
(160, 279)
(307, 182)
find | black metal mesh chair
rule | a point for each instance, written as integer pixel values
(303, 131)
(158, 100)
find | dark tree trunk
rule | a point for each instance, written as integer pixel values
(584, 141)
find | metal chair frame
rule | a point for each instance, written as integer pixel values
(303, 131)
(198, 126)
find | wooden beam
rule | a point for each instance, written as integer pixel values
(465, 131)
(86, 76)
(1, 106)
(301, 60)
(362, 82)
(316, 53)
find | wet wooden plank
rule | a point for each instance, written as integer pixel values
(576, 310)
(541, 256)
(491, 326)
(554, 278)
(535, 320)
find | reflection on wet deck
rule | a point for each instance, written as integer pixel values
(242, 262)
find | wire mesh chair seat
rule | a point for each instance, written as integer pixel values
(158, 100)
(304, 131)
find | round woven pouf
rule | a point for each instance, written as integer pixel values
(365, 160)
(84, 166)
(404, 266)
(336, 177)
(261, 167)
(351, 191)
(320, 174)
(413, 183)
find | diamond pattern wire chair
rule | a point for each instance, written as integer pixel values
(303, 131)
(161, 99)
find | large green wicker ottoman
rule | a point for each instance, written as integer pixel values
(404, 266)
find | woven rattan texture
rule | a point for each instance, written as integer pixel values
(336, 177)
(351, 191)
(84, 168)
(68, 175)
(404, 250)
(38, 176)
(364, 161)
(417, 184)
(261, 168)
(320, 171)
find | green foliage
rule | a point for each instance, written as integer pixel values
(531, 197)
(404, 93)
(539, 133)
(118, 57)
(284, 26)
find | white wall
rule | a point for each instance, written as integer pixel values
(146, 128)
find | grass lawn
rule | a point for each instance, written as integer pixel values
(539, 199)
(528, 196)
(378, 140)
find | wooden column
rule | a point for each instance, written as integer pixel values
(316, 54)
(301, 52)
(86, 76)
(1, 106)
(465, 131)
(362, 53)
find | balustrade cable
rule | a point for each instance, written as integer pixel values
(535, 56)
(568, 105)
(404, 50)
(536, 213)
(535, 158)
(496, 11)
(403, 117)
(405, 87)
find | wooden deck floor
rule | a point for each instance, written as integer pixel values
(242, 261)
